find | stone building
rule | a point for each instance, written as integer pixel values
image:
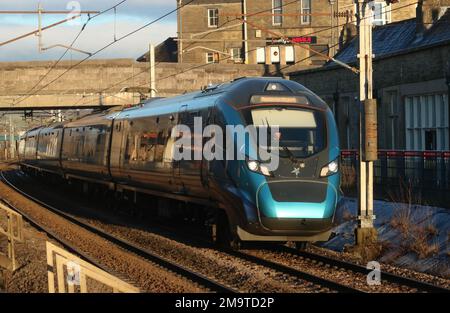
(411, 82)
(212, 30)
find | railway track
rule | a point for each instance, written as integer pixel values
(310, 279)
(387, 276)
(193, 276)
(276, 266)
(329, 284)
(324, 261)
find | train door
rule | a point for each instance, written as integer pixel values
(207, 119)
(189, 167)
(176, 164)
(117, 150)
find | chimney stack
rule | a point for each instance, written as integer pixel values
(428, 12)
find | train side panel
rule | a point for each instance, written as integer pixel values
(85, 148)
(30, 149)
(49, 148)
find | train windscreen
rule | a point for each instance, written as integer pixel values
(302, 132)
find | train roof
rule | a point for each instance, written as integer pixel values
(237, 93)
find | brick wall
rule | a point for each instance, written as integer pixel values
(326, 28)
(194, 20)
(82, 84)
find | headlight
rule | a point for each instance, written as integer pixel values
(330, 169)
(253, 166)
(257, 167)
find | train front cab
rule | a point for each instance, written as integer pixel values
(296, 201)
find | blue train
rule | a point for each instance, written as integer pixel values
(129, 154)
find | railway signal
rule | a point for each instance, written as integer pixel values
(366, 234)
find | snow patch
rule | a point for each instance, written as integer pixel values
(413, 236)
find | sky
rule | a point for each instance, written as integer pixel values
(99, 31)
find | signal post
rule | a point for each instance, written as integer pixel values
(365, 234)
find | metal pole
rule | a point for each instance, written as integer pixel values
(152, 71)
(365, 231)
(244, 9)
(180, 32)
(332, 27)
(36, 32)
(11, 137)
(447, 80)
(39, 27)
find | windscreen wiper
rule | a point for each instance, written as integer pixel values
(292, 157)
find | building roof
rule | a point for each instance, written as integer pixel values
(166, 51)
(399, 37)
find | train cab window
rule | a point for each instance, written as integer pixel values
(302, 133)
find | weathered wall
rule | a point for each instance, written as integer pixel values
(323, 25)
(83, 84)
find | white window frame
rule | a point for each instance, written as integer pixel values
(277, 10)
(292, 48)
(423, 113)
(234, 56)
(385, 14)
(305, 8)
(208, 56)
(261, 51)
(213, 15)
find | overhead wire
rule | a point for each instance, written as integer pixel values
(71, 46)
(228, 57)
(104, 48)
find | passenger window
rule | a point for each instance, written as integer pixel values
(147, 146)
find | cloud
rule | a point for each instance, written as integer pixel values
(92, 39)
(130, 7)
(98, 33)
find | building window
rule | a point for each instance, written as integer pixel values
(345, 122)
(381, 13)
(212, 57)
(427, 122)
(235, 54)
(306, 9)
(213, 17)
(393, 119)
(277, 10)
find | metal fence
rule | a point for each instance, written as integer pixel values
(425, 175)
(6, 152)
(13, 233)
(73, 274)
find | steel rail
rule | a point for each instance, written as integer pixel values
(390, 277)
(296, 273)
(126, 245)
(69, 247)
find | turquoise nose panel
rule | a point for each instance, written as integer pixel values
(271, 208)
